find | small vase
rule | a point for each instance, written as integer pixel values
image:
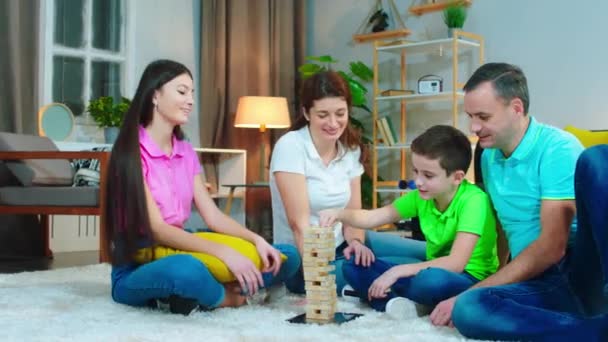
(110, 134)
(451, 31)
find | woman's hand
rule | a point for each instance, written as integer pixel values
(245, 271)
(382, 285)
(329, 217)
(271, 257)
(363, 255)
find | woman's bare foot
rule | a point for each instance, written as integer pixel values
(233, 297)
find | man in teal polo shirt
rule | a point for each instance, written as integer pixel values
(528, 171)
(455, 217)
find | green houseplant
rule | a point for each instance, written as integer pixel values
(454, 17)
(356, 76)
(108, 115)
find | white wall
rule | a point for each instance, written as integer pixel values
(560, 44)
(167, 29)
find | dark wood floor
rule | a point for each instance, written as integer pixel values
(59, 260)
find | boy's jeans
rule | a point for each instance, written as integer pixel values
(428, 287)
(386, 246)
(567, 302)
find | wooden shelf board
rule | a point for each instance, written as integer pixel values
(443, 45)
(416, 98)
(391, 189)
(393, 147)
(220, 195)
(438, 6)
(368, 37)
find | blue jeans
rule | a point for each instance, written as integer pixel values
(184, 276)
(384, 245)
(568, 301)
(429, 287)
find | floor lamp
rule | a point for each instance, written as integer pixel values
(262, 112)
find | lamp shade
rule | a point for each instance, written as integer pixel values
(262, 112)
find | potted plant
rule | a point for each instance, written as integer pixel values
(108, 115)
(357, 75)
(454, 17)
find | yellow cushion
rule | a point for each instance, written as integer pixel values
(217, 267)
(588, 138)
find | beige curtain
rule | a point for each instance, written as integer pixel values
(248, 47)
(20, 235)
(19, 23)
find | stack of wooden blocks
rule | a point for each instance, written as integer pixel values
(319, 251)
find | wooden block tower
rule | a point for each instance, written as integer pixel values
(319, 251)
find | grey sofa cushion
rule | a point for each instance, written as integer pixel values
(36, 171)
(50, 196)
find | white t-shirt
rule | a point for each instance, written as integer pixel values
(327, 186)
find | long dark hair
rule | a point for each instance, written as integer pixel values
(127, 220)
(328, 84)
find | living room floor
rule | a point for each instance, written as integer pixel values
(59, 260)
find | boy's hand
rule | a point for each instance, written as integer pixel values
(442, 314)
(329, 217)
(382, 285)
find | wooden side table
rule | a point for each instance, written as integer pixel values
(233, 188)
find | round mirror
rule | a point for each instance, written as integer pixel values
(55, 121)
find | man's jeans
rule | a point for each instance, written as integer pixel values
(567, 302)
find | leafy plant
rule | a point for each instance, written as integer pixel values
(454, 16)
(356, 76)
(106, 113)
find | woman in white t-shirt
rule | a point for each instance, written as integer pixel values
(316, 166)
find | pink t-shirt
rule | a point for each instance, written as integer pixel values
(170, 178)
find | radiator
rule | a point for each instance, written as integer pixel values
(71, 233)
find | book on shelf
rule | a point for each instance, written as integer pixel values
(392, 131)
(382, 133)
(391, 137)
(395, 92)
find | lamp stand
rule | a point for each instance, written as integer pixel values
(262, 175)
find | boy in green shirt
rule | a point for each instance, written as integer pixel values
(456, 219)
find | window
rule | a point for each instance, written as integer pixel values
(85, 51)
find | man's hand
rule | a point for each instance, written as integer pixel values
(442, 314)
(363, 255)
(329, 217)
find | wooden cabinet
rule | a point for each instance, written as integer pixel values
(446, 53)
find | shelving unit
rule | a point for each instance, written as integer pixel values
(449, 48)
(230, 168)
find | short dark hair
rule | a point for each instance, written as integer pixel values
(446, 143)
(508, 80)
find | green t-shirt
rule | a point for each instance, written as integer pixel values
(470, 211)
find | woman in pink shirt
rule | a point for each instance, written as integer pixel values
(154, 176)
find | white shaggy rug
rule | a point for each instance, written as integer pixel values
(74, 304)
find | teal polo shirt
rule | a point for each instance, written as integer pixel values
(541, 168)
(469, 211)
